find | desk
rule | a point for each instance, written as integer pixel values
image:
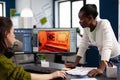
(60, 66)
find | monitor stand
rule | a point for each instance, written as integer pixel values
(58, 59)
(35, 59)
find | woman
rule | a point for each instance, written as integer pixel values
(8, 71)
(98, 33)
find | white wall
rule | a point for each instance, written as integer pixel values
(40, 8)
(43, 8)
(21, 4)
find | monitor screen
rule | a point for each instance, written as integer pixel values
(23, 40)
(55, 40)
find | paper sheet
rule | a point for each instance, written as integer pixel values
(80, 71)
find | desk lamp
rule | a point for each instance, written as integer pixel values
(26, 12)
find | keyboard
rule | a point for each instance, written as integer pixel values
(39, 69)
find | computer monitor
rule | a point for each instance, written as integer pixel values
(54, 40)
(23, 40)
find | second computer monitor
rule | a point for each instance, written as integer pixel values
(55, 40)
(23, 41)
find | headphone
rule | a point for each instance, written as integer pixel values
(9, 52)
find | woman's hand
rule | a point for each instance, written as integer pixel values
(56, 74)
(95, 72)
(73, 65)
(70, 65)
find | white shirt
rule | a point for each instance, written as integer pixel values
(105, 40)
(78, 40)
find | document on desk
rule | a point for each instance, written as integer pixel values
(80, 71)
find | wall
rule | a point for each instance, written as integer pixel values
(109, 10)
(42, 10)
(119, 22)
(10, 4)
(20, 5)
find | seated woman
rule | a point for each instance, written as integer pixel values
(9, 71)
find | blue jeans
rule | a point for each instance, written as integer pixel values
(92, 57)
(116, 61)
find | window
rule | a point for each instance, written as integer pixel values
(75, 10)
(1, 12)
(66, 13)
(2, 8)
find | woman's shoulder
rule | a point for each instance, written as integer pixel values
(4, 59)
(103, 21)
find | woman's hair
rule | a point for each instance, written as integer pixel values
(89, 9)
(5, 26)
